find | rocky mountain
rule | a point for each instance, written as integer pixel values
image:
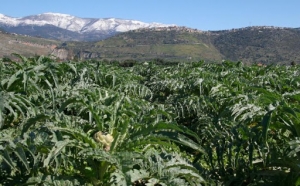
(70, 28)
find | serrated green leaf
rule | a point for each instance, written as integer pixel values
(56, 149)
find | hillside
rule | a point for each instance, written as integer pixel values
(165, 43)
(260, 44)
(250, 45)
(25, 45)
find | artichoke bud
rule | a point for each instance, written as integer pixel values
(106, 140)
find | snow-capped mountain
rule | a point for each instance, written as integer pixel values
(56, 25)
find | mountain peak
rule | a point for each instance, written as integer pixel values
(77, 24)
(56, 14)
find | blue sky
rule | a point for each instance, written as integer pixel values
(200, 14)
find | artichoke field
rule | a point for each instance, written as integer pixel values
(93, 123)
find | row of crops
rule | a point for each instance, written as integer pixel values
(91, 123)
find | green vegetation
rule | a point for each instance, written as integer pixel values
(146, 44)
(252, 44)
(96, 123)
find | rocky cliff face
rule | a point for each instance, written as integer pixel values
(88, 55)
(62, 54)
(65, 54)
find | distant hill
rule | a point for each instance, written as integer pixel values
(165, 43)
(259, 44)
(250, 45)
(25, 45)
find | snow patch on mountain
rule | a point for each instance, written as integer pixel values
(77, 24)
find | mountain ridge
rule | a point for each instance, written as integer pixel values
(87, 27)
(261, 44)
(258, 44)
